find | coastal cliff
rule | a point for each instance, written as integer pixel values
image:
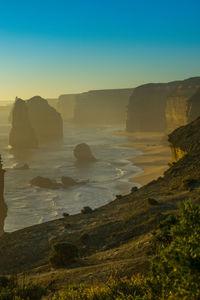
(163, 106)
(185, 140)
(119, 233)
(146, 108)
(181, 106)
(102, 107)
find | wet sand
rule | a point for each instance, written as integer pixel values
(155, 155)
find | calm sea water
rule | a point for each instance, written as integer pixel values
(28, 205)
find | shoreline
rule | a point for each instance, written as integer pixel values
(154, 158)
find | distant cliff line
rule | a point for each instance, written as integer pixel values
(107, 107)
(163, 106)
(150, 107)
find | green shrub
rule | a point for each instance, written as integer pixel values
(10, 289)
(63, 254)
(134, 189)
(84, 238)
(86, 210)
(175, 269)
(151, 201)
(189, 184)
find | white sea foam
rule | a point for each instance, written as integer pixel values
(28, 205)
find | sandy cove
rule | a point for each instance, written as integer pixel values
(155, 154)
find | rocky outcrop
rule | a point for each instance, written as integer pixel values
(3, 206)
(66, 106)
(43, 182)
(146, 109)
(47, 183)
(183, 104)
(45, 120)
(67, 182)
(102, 107)
(23, 167)
(34, 121)
(184, 140)
(22, 134)
(83, 154)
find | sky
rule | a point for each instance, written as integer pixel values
(52, 47)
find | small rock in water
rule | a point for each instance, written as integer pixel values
(83, 154)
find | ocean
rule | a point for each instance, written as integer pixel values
(109, 176)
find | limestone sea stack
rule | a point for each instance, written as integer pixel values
(34, 121)
(83, 154)
(45, 120)
(22, 135)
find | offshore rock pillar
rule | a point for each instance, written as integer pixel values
(3, 206)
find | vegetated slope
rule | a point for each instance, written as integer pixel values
(119, 234)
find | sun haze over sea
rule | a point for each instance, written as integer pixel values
(52, 47)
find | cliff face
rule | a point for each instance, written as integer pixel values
(45, 120)
(34, 121)
(164, 106)
(185, 140)
(22, 134)
(146, 109)
(102, 106)
(181, 106)
(193, 107)
(66, 106)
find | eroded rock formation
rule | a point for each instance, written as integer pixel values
(34, 121)
(22, 135)
(83, 154)
(45, 120)
(44, 182)
(47, 183)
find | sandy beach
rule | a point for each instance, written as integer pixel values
(155, 155)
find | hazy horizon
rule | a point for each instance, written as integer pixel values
(53, 48)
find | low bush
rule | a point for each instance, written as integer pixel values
(190, 184)
(151, 201)
(175, 269)
(63, 254)
(10, 289)
(84, 238)
(86, 210)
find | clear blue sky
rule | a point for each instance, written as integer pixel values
(52, 47)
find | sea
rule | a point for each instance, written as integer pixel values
(109, 176)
